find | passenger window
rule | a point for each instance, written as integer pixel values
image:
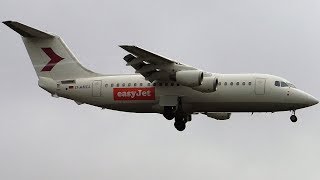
(112, 85)
(237, 83)
(166, 84)
(277, 83)
(225, 83)
(231, 84)
(148, 84)
(118, 84)
(172, 84)
(160, 84)
(178, 84)
(249, 83)
(129, 84)
(243, 83)
(135, 84)
(283, 84)
(154, 84)
(141, 84)
(123, 84)
(106, 85)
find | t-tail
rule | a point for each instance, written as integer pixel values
(51, 58)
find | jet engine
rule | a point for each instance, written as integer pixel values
(195, 79)
(190, 78)
(208, 85)
(218, 115)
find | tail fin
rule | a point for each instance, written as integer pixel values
(50, 56)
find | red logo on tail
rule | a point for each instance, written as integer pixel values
(54, 59)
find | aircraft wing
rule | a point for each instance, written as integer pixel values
(152, 66)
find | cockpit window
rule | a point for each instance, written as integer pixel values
(291, 85)
(283, 84)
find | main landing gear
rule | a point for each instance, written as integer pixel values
(293, 117)
(176, 112)
(180, 126)
(181, 120)
(180, 117)
(169, 112)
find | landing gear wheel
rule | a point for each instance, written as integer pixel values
(293, 118)
(180, 126)
(168, 116)
(169, 112)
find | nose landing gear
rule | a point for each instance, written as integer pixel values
(293, 117)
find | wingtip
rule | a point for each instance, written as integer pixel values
(125, 47)
(7, 22)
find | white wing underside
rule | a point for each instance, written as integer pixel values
(152, 66)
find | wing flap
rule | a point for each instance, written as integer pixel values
(146, 68)
(135, 61)
(152, 66)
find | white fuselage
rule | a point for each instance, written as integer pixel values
(235, 93)
(177, 90)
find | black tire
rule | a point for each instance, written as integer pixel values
(169, 112)
(180, 126)
(169, 116)
(293, 118)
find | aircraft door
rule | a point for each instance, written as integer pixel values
(96, 88)
(260, 86)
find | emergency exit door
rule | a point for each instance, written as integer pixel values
(96, 88)
(260, 86)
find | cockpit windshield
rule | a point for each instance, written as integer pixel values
(283, 84)
(291, 85)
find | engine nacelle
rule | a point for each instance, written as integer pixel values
(208, 85)
(190, 78)
(218, 115)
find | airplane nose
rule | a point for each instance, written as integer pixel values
(312, 100)
(303, 99)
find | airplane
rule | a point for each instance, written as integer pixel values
(159, 85)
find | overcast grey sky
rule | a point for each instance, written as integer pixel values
(47, 138)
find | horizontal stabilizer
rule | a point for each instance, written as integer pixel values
(27, 31)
